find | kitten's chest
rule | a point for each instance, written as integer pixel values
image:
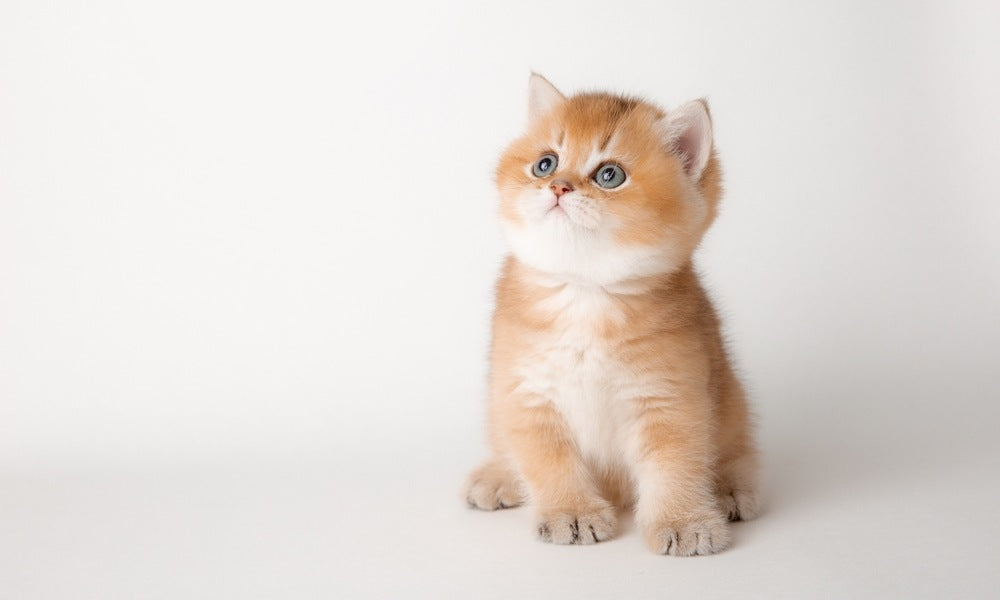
(576, 372)
(576, 367)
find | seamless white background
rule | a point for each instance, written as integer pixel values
(246, 257)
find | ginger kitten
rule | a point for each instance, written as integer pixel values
(609, 382)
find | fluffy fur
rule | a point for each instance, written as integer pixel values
(609, 384)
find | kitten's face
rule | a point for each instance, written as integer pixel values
(603, 189)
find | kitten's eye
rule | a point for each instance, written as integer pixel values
(545, 165)
(609, 176)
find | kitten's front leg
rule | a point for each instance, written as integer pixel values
(672, 454)
(568, 506)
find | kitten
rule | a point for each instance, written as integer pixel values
(609, 382)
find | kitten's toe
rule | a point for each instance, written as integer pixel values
(740, 505)
(699, 536)
(587, 526)
(493, 486)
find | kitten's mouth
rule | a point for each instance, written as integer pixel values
(571, 211)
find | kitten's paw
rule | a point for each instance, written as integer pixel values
(740, 505)
(703, 535)
(493, 486)
(587, 526)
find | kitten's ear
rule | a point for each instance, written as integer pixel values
(542, 96)
(687, 132)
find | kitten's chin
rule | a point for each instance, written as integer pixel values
(561, 249)
(571, 217)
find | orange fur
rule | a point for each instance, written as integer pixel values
(609, 383)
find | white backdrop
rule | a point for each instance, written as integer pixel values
(234, 233)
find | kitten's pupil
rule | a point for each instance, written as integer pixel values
(608, 174)
(545, 164)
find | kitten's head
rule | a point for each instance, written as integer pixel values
(602, 189)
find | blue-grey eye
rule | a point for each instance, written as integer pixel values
(609, 176)
(545, 166)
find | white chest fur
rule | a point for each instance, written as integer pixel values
(573, 367)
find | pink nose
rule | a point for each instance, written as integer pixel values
(560, 187)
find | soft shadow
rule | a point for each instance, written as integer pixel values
(836, 448)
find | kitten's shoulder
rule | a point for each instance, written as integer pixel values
(513, 297)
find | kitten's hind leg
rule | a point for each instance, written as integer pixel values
(737, 465)
(737, 487)
(493, 485)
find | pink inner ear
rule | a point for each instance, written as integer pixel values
(687, 148)
(689, 137)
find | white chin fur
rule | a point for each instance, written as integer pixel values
(578, 244)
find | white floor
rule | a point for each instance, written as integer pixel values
(844, 519)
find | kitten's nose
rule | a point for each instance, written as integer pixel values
(560, 187)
